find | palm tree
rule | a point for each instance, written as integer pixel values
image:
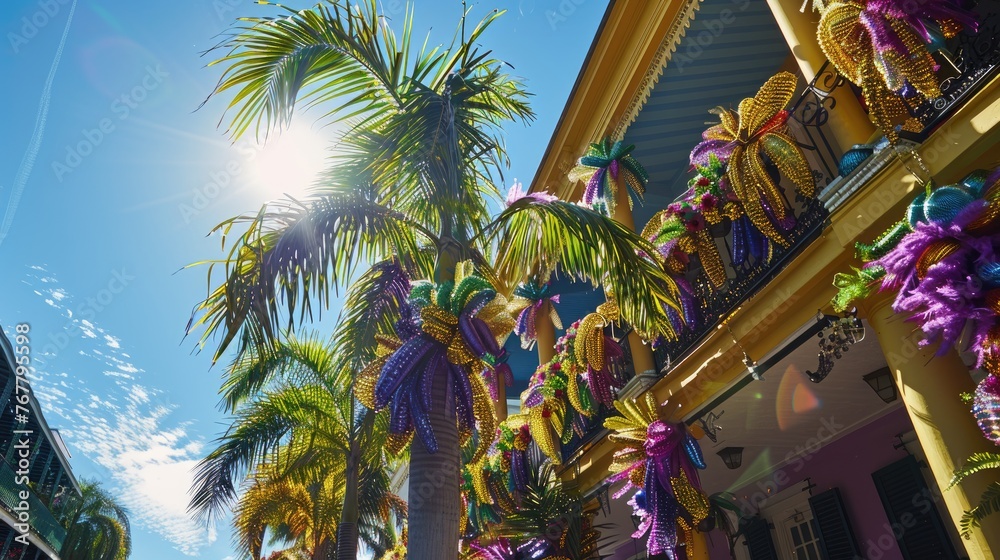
(414, 180)
(97, 526)
(305, 514)
(296, 434)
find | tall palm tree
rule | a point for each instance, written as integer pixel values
(97, 526)
(414, 180)
(295, 432)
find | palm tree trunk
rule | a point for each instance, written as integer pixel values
(324, 551)
(434, 498)
(347, 531)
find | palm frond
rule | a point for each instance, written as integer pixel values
(372, 308)
(989, 503)
(977, 462)
(543, 236)
(292, 252)
(298, 360)
(97, 526)
(335, 51)
(255, 434)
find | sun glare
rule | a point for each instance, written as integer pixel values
(290, 162)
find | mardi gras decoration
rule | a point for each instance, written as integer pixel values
(556, 401)
(601, 357)
(659, 460)
(881, 45)
(986, 407)
(529, 300)
(554, 414)
(741, 140)
(606, 167)
(456, 339)
(509, 453)
(550, 524)
(944, 262)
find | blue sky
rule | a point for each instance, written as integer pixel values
(110, 180)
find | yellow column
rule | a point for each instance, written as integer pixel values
(545, 333)
(697, 549)
(930, 386)
(848, 122)
(642, 354)
(500, 406)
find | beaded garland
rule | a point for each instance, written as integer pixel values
(741, 139)
(456, 339)
(881, 45)
(658, 460)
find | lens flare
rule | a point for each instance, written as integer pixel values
(795, 398)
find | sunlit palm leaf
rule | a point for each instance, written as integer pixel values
(335, 51)
(989, 504)
(297, 360)
(538, 235)
(293, 252)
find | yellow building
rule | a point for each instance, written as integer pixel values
(854, 465)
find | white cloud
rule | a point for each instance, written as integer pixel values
(123, 428)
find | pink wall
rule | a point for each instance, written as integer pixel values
(847, 463)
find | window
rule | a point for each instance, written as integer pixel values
(802, 538)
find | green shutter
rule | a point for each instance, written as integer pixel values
(912, 514)
(835, 534)
(757, 533)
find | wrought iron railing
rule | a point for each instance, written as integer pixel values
(40, 519)
(969, 61)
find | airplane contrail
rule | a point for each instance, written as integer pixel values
(31, 153)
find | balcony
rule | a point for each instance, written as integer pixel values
(967, 62)
(40, 518)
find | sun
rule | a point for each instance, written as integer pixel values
(289, 162)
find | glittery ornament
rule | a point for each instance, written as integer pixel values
(455, 342)
(529, 300)
(943, 261)
(986, 408)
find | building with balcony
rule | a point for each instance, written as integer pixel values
(43, 486)
(830, 452)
